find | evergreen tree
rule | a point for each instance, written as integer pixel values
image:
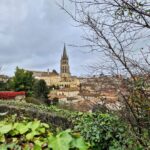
(22, 81)
(40, 89)
(3, 86)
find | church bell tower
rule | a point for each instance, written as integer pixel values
(64, 66)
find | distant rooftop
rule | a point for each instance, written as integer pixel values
(44, 73)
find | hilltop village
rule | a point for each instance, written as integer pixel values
(51, 108)
(79, 92)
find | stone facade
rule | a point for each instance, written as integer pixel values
(64, 67)
(64, 79)
(4, 78)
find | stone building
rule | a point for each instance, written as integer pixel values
(64, 79)
(64, 67)
(4, 78)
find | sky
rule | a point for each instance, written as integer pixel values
(32, 36)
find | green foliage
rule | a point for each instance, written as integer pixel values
(105, 131)
(57, 117)
(22, 81)
(40, 89)
(102, 130)
(42, 108)
(65, 140)
(139, 103)
(35, 101)
(34, 135)
(3, 86)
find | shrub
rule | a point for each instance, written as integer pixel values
(35, 135)
(104, 132)
(22, 81)
(40, 89)
(34, 101)
(3, 86)
(51, 115)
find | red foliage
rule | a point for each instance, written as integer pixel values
(10, 95)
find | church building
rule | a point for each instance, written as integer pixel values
(64, 67)
(63, 79)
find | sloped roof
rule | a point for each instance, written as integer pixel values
(64, 56)
(44, 73)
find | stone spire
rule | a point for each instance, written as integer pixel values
(64, 66)
(65, 53)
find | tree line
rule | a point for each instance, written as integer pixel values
(24, 81)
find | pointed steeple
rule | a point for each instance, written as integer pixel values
(64, 66)
(65, 53)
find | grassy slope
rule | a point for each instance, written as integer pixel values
(51, 115)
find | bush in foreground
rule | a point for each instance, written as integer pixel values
(102, 131)
(107, 132)
(34, 135)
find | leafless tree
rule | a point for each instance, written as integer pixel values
(120, 30)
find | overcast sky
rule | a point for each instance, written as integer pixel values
(32, 35)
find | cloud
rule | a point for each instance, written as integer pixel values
(32, 34)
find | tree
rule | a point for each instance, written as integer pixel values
(40, 89)
(114, 28)
(3, 86)
(23, 81)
